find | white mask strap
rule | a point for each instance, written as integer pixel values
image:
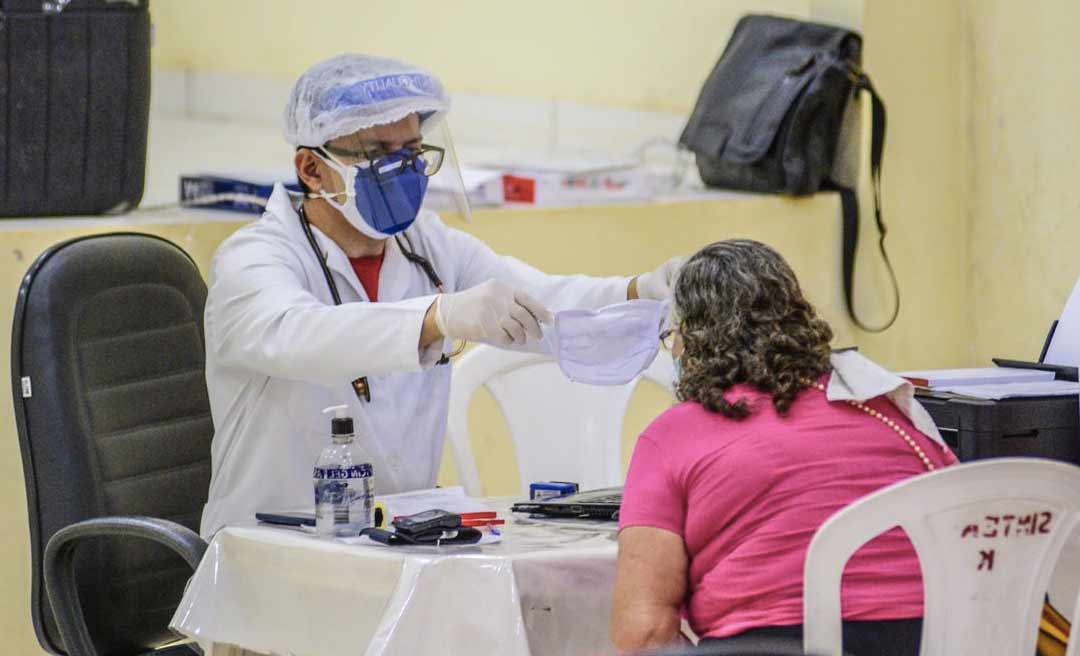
(342, 170)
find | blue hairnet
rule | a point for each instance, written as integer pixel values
(350, 92)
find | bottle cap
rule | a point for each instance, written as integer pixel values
(341, 424)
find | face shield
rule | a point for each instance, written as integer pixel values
(446, 191)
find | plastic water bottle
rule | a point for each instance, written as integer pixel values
(344, 482)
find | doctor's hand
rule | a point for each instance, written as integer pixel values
(656, 285)
(491, 312)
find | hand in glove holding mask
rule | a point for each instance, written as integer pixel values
(657, 285)
(491, 312)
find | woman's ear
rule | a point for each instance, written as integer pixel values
(308, 170)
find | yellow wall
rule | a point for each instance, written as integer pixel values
(629, 53)
(915, 56)
(648, 54)
(1025, 197)
(655, 55)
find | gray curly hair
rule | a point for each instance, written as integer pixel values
(743, 319)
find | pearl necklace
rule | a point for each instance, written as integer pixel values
(891, 424)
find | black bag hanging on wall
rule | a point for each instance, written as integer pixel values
(74, 105)
(779, 113)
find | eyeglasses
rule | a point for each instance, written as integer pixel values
(667, 338)
(426, 159)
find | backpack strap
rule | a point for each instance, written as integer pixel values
(850, 205)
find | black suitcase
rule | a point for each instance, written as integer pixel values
(74, 105)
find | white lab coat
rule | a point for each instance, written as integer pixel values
(278, 351)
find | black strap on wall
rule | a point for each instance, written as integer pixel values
(850, 205)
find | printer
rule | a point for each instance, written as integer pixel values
(1041, 427)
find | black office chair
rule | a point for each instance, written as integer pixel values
(114, 424)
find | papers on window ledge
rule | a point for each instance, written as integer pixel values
(500, 177)
(996, 391)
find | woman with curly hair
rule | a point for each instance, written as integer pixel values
(773, 435)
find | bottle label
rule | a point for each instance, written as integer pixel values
(344, 496)
(356, 471)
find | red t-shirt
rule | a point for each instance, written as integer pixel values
(367, 270)
(747, 496)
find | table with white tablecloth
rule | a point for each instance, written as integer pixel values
(544, 588)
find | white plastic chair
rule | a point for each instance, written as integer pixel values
(1073, 648)
(987, 534)
(561, 430)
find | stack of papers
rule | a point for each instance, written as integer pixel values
(941, 378)
(993, 382)
(540, 180)
(1014, 390)
(450, 499)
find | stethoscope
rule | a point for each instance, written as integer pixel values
(361, 386)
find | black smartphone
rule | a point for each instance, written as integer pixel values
(297, 519)
(426, 521)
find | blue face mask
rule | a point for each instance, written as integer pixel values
(382, 201)
(678, 369)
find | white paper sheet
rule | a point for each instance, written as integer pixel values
(450, 499)
(1065, 346)
(1014, 390)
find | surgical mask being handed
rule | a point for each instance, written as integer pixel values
(609, 346)
(382, 198)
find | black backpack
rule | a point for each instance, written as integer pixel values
(778, 114)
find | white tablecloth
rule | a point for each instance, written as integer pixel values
(542, 590)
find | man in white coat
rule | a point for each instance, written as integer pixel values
(353, 294)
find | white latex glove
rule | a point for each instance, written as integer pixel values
(491, 312)
(656, 285)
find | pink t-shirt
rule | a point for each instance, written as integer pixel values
(747, 496)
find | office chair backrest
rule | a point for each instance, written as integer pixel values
(987, 534)
(561, 430)
(113, 418)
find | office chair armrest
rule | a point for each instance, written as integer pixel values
(59, 566)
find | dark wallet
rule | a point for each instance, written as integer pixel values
(432, 537)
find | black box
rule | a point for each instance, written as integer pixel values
(1041, 427)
